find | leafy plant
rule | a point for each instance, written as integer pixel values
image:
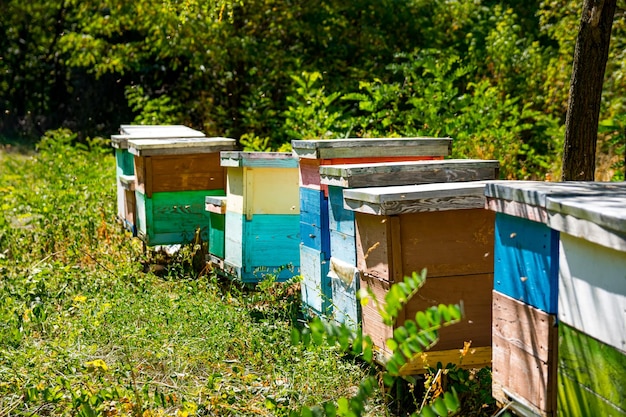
(409, 339)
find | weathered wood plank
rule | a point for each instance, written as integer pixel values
(600, 219)
(128, 182)
(215, 204)
(478, 357)
(447, 243)
(413, 172)
(124, 161)
(526, 261)
(357, 148)
(592, 290)
(416, 198)
(233, 241)
(516, 209)
(340, 218)
(343, 246)
(172, 218)
(179, 146)
(345, 278)
(271, 240)
(524, 354)
(592, 376)
(258, 159)
(474, 291)
(373, 246)
(316, 285)
(528, 328)
(271, 190)
(217, 235)
(536, 193)
(314, 228)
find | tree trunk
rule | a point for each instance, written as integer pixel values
(583, 109)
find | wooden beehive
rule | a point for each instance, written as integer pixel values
(591, 300)
(337, 178)
(125, 165)
(173, 178)
(262, 220)
(314, 226)
(445, 229)
(535, 255)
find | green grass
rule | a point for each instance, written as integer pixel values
(84, 331)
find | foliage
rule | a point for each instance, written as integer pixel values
(268, 71)
(86, 329)
(410, 338)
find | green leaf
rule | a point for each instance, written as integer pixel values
(295, 336)
(440, 407)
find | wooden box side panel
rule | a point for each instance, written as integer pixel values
(272, 191)
(340, 218)
(526, 261)
(372, 322)
(143, 206)
(592, 289)
(173, 217)
(216, 234)
(474, 291)
(142, 171)
(373, 246)
(125, 162)
(309, 175)
(314, 230)
(518, 349)
(448, 243)
(346, 307)
(316, 287)
(120, 199)
(314, 207)
(315, 238)
(233, 241)
(130, 207)
(592, 376)
(187, 172)
(343, 247)
(524, 326)
(271, 240)
(235, 189)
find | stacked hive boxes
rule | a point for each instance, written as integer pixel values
(559, 297)
(339, 178)
(125, 165)
(261, 216)
(173, 177)
(445, 229)
(314, 205)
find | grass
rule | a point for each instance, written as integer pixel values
(84, 331)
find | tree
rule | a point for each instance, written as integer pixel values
(590, 57)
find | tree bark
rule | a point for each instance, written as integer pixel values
(583, 109)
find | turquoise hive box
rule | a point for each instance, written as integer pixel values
(262, 216)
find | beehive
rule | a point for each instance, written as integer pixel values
(314, 226)
(338, 178)
(591, 300)
(262, 219)
(125, 165)
(173, 177)
(534, 255)
(445, 229)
